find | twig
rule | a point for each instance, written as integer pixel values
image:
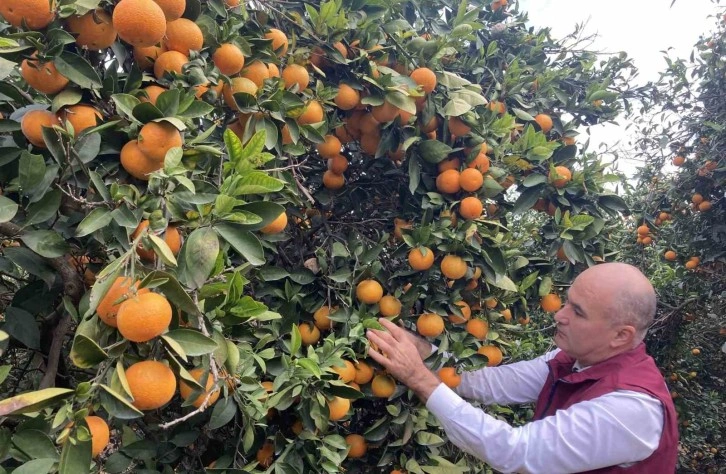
(51, 368)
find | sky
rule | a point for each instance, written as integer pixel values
(642, 29)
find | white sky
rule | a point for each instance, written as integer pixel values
(640, 28)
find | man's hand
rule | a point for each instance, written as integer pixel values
(402, 358)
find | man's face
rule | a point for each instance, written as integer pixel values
(584, 330)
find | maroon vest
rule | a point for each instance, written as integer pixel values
(633, 370)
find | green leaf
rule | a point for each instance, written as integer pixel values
(257, 182)
(402, 101)
(22, 326)
(433, 151)
(86, 353)
(162, 249)
(8, 209)
(36, 466)
(456, 107)
(46, 243)
(200, 254)
(75, 457)
(125, 104)
(4, 369)
(173, 290)
(96, 219)
(31, 263)
(534, 179)
(503, 282)
(245, 243)
(613, 202)
(222, 413)
(428, 439)
(527, 199)
(33, 401)
(295, 339)
(545, 287)
(78, 70)
(31, 171)
(35, 444)
(45, 208)
(522, 115)
(116, 405)
(197, 109)
(193, 342)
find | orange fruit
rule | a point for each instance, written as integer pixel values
(172, 238)
(257, 72)
(330, 147)
(322, 317)
(274, 70)
(478, 328)
(647, 240)
(565, 175)
(80, 117)
(186, 390)
(453, 267)
(146, 55)
(237, 84)
(491, 303)
(139, 22)
(418, 260)
(153, 92)
(279, 41)
(347, 97)
(156, 138)
(465, 311)
(265, 454)
(450, 164)
(678, 160)
(449, 376)
(507, 314)
(385, 112)
(43, 77)
(173, 9)
(276, 226)
(357, 445)
(168, 62)
(229, 59)
(383, 386)
(697, 198)
(471, 179)
(108, 307)
(183, 35)
(430, 324)
(497, 107)
(36, 14)
(643, 230)
(338, 407)
(458, 127)
(424, 77)
(94, 30)
(346, 372)
(363, 373)
(296, 74)
(332, 180)
(448, 182)
(481, 163)
(691, 264)
(152, 384)
(493, 353)
(369, 143)
(551, 303)
(100, 434)
(32, 125)
(369, 291)
(389, 306)
(144, 317)
(308, 333)
(544, 121)
(313, 113)
(136, 163)
(670, 255)
(705, 206)
(338, 164)
(471, 207)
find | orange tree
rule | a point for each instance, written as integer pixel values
(678, 238)
(205, 204)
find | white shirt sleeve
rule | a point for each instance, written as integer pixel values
(520, 382)
(621, 427)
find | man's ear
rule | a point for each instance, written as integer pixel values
(624, 337)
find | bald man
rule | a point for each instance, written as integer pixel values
(601, 404)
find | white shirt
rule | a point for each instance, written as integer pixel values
(618, 428)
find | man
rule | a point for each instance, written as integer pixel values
(602, 405)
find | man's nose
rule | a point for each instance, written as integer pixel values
(560, 317)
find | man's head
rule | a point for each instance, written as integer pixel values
(608, 311)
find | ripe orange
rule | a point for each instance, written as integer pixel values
(279, 41)
(497, 107)
(80, 117)
(146, 55)
(465, 311)
(308, 333)
(156, 138)
(493, 353)
(108, 308)
(705, 206)
(276, 226)
(691, 264)
(678, 160)
(424, 77)
(418, 260)
(346, 372)
(478, 328)
(565, 175)
(186, 390)
(173, 9)
(481, 163)
(449, 376)
(567, 141)
(183, 35)
(389, 306)
(202, 89)
(347, 97)
(458, 127)
(136, 163)
(296, 74)
(338, 164)
(139, 22)
(151, 383)
(265, 454)
(43, 77)
(643, 230)
(551, 303)
(544, 121)
(168, 62)
(37, 14)
(274, 70)
(449, 164)
(363, 373)
(144, 317)
(453, 267)
(338, 407)
(94, 30)
(697, 198)
(330, 147)
(384, 113)
(383, 386)
(471, 207)
(647, 240)
(507, 314)
(448, 182)
(313, 113)
(430, 324)
(670, 255)
(257, 72)
(229, 59)
(100, 434)
(322, 317)
(471, 179)
(32, 125)
(332, 180)
(357, 445)
(153, 92)
(237, 84)
(369, 291)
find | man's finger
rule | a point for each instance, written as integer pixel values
(386, 336)
(398, 332)
(384, 345)
(378, 357)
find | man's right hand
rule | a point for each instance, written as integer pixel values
(422, 345)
